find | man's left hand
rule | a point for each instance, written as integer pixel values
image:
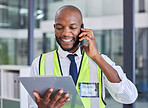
(91, 49)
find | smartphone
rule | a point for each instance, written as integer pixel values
(81, 42)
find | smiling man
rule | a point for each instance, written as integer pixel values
(67, 28)
(89, 69)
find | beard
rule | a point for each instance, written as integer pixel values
(74, 44)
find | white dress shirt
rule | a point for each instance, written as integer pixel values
(124, 92)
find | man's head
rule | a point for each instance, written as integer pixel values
(68, 21)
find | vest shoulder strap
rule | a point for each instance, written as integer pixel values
(42, 64)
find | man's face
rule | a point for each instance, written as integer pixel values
(67, 28)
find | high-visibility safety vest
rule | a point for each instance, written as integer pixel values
(84, 77)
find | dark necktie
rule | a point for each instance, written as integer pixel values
(73, 67)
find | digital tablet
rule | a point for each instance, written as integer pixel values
(41, 84)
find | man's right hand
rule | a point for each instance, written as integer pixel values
(56, 102)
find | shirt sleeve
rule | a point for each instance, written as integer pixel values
(125, 91)
(34, 71)
(35, 67)
(31, 103)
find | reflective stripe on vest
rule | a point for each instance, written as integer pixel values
(84, 76)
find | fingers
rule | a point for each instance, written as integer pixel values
(83, 34)
(37, 97)
(64, 99)
(48, 94)
(56, 97)
(86, 38)
(57, 101)
(84, 47)
(68, 99)
(46, 97)
(87, 32)
(91, 49)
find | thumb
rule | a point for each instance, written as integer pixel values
(37, 97)
(84, 47)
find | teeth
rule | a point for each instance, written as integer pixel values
(66, 40)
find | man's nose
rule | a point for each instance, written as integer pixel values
(66, 32)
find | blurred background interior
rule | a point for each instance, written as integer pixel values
(105, 17)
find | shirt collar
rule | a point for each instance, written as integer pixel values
(64, 54)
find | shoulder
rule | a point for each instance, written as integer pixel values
(49, 53)
(36, 60)
(35, 63)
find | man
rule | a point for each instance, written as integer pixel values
(88, 66)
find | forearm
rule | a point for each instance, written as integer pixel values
(108, 70)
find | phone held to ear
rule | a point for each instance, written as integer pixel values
(81, 42)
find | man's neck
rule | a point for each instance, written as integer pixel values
(64, 54)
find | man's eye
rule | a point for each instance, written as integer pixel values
(59, 28)
(73, 27)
